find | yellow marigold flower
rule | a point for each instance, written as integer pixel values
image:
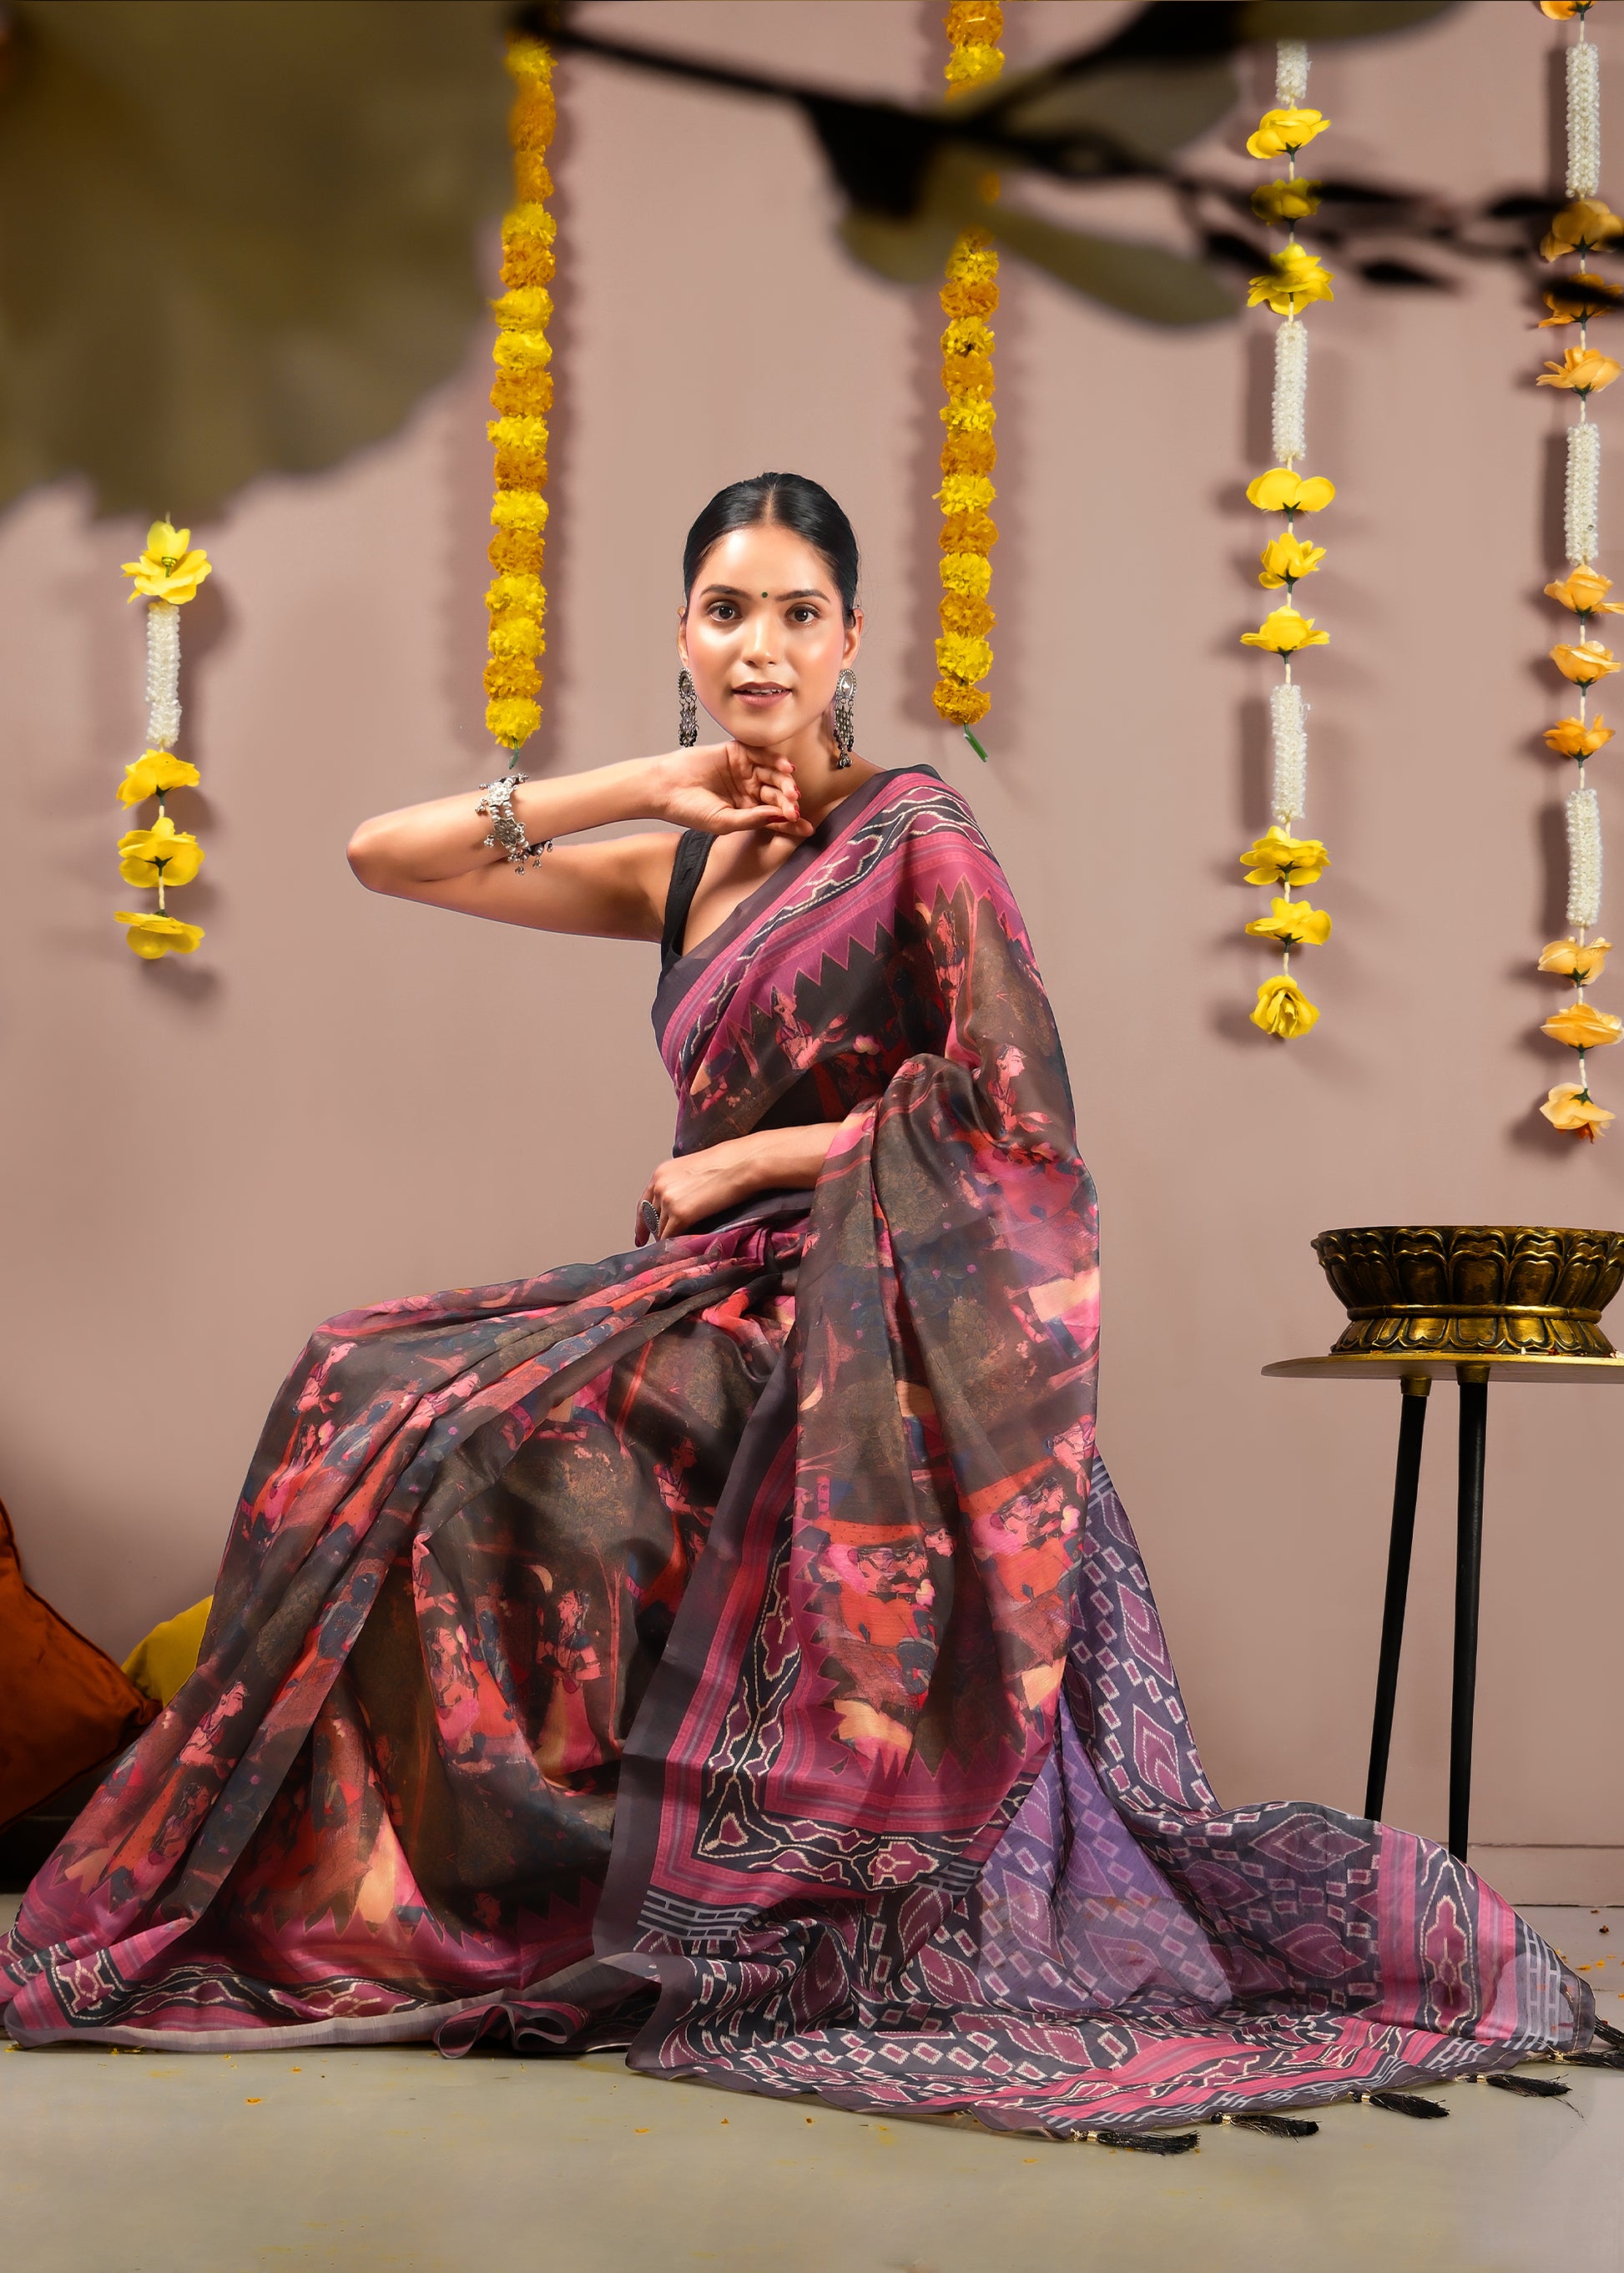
(516, 635)
(1285, 631)
(531, 180)
(1293, 924)
(518, 595)
(967, 572)
(526, 261)
(172, 568)
(161, 849)
(973, 259)
(967, 532)
(1294, 278)
(1285, 558)
(1582, 1026)
(1282, 133)
(965, 492)
(150, 936)
(974, 19)
(1577, 299)
(519, 434)
(967, 335)
(972, 65)
(1284, 1009)
(152, 773)
(1572, 738)
(1282, 201)
(522, 392)
(1581, 227)
(1568, 960)
(511, 720)
(961, 706)
(1585, 370)
(968, 374)
(516, 551)
(522, 351)
(509, 676)
(972, 618)
(518, 470)
(963, 658)
(1570, 1109)
(1584, 592)
(1278, 858)
(526, 308)
(519, 509)
(1585, 662)
(969, 453)
(967, 296)
(1280, 491)
(968, 414)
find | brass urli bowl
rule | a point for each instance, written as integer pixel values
(1472, 1290)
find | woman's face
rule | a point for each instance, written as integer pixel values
(764, 635)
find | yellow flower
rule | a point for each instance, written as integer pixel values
(516, 635)
(967, 573)
(1583, 593)
(1584, 663)
(1568, 960)
(1584, 1027)
(1581, 227)
(149, 936)
(1281, 201)
(506, 675)
(153, 772)
(1570, 1107)
(1281, 133)
(1561, 9)
(965, 494)
(1285, 558)
(961, 706)
(1278, 858)
(973, 618)
(162, 850)
(1584, 369)
(1571, 738)
(519, 509)
(526, 308)
(1280, 491)
(958, 657)
(518, 596)
(511, 719)
(1294, 278)
(169, 569)
(1577, 299)
(1285, 631)
(520, 352)
(1284, 1009)
(1293, 924)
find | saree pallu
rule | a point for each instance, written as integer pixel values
(735, 1651)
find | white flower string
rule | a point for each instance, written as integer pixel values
(1576, 297)
(1294, 279)
(158, 855)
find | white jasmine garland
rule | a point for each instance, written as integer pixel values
(1584, 501)
(1584, 120)
(1583, 857)
(1287, 715)
(1290, 392)
(162, 674)
(1290, 71)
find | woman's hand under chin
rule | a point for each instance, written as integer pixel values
(722, 787)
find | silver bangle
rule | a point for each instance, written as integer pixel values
(507, 835)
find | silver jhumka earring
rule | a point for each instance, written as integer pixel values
(845, 689)
(688, 710)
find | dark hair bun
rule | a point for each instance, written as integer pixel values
(783, 501)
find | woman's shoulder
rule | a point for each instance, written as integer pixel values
(916, 801)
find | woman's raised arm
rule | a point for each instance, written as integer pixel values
(437, 852)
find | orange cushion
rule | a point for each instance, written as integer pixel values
(64, 1705)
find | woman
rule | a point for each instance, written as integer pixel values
(734, 1649)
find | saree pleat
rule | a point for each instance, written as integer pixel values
(735, 1650)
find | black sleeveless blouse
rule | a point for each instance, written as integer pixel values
(693, 851)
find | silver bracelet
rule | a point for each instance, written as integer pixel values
(507, 835)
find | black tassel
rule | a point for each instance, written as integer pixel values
(1593, 2059)
(1530, 2087)
(1148, 2143)
(1277, 2127)
(1609, 2035)
(1406, 2102)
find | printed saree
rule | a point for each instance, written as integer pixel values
(735, 1651)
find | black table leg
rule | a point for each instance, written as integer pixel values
(1473, 1382)
(1412, 1421)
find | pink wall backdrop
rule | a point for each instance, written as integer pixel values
(339, 1099)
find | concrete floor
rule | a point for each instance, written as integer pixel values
(400, 2162)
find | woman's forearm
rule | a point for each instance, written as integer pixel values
(788, 1159)
(429, 844)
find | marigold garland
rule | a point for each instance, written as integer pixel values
(1294, 279)
(158, 856)
(969, 453)
(1583, 228)
(521, 396)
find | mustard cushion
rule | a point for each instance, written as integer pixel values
(166, 1659)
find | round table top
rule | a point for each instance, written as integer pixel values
(1412, 1367)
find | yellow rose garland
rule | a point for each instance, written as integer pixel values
(1583, 228)
(158, 856)
(521, 396)
(1294, 280)
(969, 295)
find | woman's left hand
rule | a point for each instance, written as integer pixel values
(683, 1192)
